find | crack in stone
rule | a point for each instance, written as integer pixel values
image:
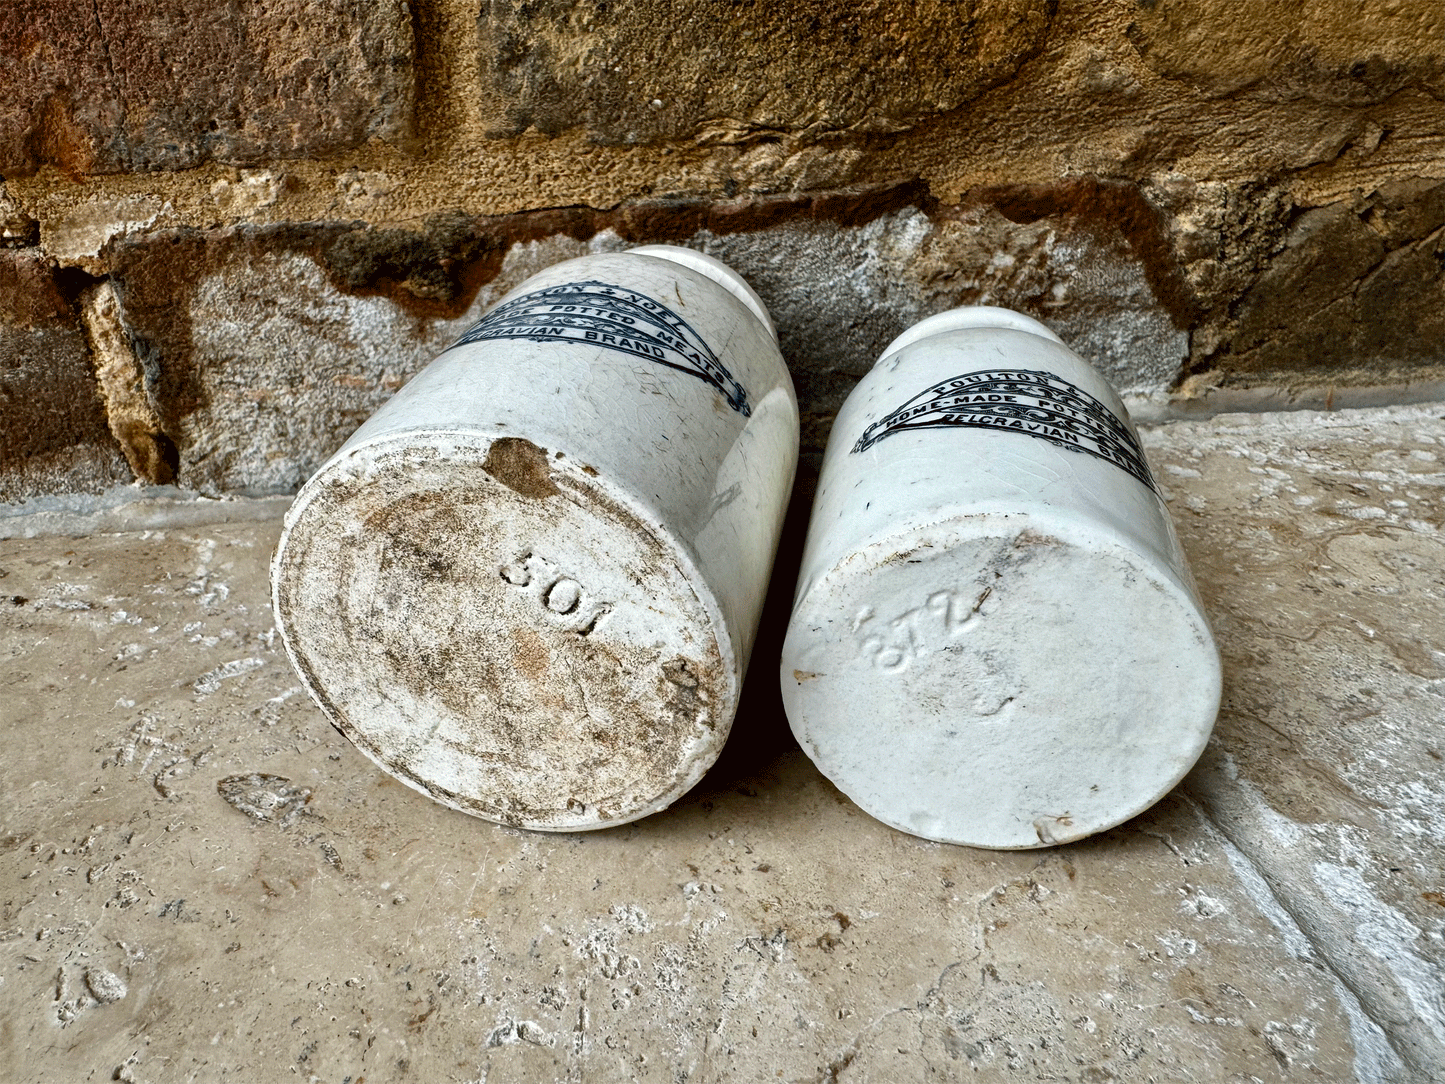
(920, 1010)
(115, 87)
(854, 1048)
(1374, 1053)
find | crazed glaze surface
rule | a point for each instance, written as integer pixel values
(529, 585)
(996, 640)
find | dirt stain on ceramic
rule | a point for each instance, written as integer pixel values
(521, 466)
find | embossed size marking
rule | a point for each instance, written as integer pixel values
(892, 645)
(614, 318)
(564, 601)
(1026, 401)
(938, 626)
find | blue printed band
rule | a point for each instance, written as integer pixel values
(614, 318)
(1025, 401)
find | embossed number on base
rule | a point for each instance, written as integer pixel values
(561, 598)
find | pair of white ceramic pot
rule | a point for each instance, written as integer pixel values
(529, 585)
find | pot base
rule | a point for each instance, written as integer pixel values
(491, 624)
(993, 683)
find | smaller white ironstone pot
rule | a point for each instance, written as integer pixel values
(995, 639)
(529, 584)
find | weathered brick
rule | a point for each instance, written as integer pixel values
(256, 365)
(840, 292)
(1354, 294)
(116, 85)
(660, 70)
(1348, 52)
(1326, 250)
(53, 432)
(264, 348)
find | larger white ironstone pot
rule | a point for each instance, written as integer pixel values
(996, 640)
(529, 584)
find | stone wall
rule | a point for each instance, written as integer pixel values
(231, 229)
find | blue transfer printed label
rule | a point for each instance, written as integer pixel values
(1029, 402)
(614, 318)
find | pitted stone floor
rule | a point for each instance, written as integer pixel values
(200, 880)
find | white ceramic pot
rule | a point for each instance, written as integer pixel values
(528, 586)
(995, 640)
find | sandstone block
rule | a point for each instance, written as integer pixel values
(1334, 51)
(654, 71)
(257, 367)
(266, 348)
(121, 85)
(1316, 540)
(1327, 249)
(1350, 292)
(839, 292)
(53, 432)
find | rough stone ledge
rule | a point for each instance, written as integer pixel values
(129, 508)
(1273, 399)
(1317, 541)
(182, 820)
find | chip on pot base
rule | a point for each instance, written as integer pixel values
(995, 641)
(529, 585)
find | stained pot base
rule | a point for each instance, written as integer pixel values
(490, 623)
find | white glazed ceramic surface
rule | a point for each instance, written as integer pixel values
(995, 640)
(529, 585)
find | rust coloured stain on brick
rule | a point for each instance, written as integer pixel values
(1107, 206)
